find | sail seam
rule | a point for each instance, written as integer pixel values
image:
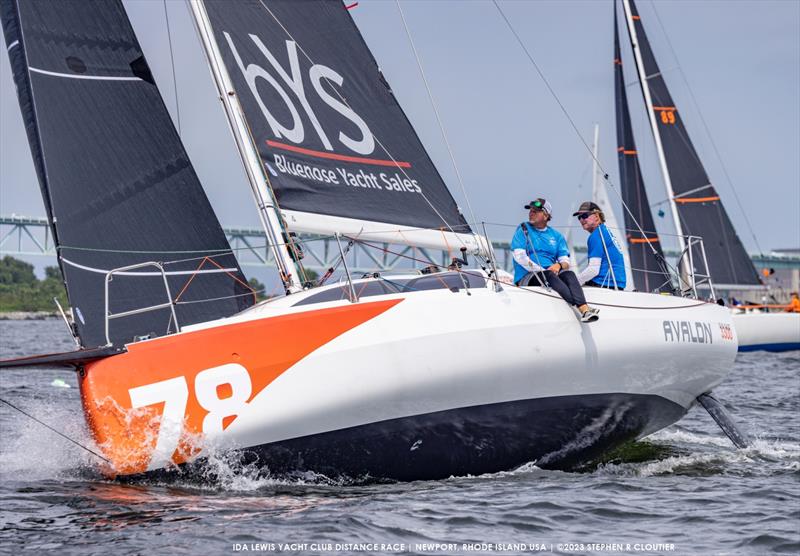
(695, 190)
(93, 77)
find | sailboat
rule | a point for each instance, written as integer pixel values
(415, 376)
(696, 206)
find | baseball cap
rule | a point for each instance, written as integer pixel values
(587, 206)
(540, 204)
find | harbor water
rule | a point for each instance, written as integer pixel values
(683, 490)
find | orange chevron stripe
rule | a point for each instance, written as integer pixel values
(265, 348)
(696, 199)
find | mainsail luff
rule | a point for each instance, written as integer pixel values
(256, 173)
(117, 184)
(644, 247)
(340, 152)
(696, 205)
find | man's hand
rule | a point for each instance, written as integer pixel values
(555, 268)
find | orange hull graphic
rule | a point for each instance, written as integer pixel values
(165, 395)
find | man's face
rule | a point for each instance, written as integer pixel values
(537, 217)
(589, 221)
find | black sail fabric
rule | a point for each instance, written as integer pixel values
(328, 127)
(644, 247)
(117, 184)
(699, 207)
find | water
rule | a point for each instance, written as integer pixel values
(685, 490)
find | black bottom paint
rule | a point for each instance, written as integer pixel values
(558, 433)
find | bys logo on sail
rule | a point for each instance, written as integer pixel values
(290, 87)
(687, 332)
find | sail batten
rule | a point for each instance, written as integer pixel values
(118, 186)
(329, 131)
(700, 215)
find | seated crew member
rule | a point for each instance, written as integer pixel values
(541, 257)
(606, 267)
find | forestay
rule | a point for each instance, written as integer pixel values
(340, 153)
(117, 184)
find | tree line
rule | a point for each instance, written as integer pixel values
(21, 290)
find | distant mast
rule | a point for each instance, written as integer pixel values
(648, 271)
(271, 221)
(651, 114)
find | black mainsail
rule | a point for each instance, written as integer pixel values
(117, 184)
(339, 151)
(644, 247)
(697, 203)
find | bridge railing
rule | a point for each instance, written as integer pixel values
(30, 236)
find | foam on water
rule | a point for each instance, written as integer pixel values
(37, 453)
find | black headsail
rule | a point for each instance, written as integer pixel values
(340, 152)
(698, 204)
(117, 184)
(646, 255)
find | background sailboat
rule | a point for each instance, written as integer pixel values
(696, 205)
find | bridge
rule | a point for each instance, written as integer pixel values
(20, 235)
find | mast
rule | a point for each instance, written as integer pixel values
(651, 114)
(268, 211)
(595, 166)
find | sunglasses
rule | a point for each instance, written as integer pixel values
(584, 215)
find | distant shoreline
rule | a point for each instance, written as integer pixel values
(28, 315)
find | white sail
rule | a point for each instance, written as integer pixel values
(600, 197)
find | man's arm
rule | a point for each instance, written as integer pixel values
(592, 270)
(525, 261)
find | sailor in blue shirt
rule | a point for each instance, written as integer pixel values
(606, 267)
(541, 258)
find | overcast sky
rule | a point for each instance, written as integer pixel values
(511, 141)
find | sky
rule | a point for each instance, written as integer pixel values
(739, 60)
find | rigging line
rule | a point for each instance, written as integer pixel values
(566, 114)
(172, 65)
(344, 100)
(222, 298)
(708, 131)
(436, 111)
(61, 434)
(211, 252)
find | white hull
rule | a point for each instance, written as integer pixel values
(767, 331)
(482, 361)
